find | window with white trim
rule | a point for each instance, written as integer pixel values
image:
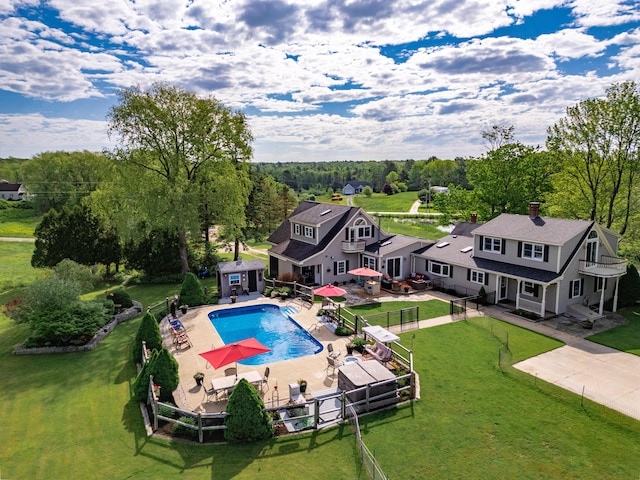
(440, 269)
(296, 228)
(234, 279)
(309, 232)
(370, 262)
(492, 244)
(341, 267)
(575, 289)
(533, 251)
(477, 277)
(529, 289)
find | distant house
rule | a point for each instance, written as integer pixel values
(321, 242)
(437, 189)
(542, 265)
(355, 187)
(11, 191)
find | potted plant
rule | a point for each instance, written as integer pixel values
(183, 308)
(303, 385)
(199, 377)
(350, 348)
(234, 298)
(406, 288)
(358, 344)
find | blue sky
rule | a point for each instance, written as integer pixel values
(319, 80)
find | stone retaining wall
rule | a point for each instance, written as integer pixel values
(128, 314)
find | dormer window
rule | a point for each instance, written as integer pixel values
(309, 232)
(533, 251)
(490, 244)
(296, 228)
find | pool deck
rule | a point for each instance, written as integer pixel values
(203, 336)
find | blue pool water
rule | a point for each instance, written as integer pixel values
(270, 326)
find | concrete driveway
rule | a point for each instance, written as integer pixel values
(605, 375)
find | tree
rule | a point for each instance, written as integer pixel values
(149, 332)
(597, 143)
(261, 215)
(191, 292)
(155, 252)
(165, 373)
(59, 179)
(76, 234)
(498, 136)
(246, 419)
(507, 179)
(177, 151)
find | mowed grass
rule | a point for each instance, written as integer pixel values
(71, 416)
(16, 265)
(412, 227)
(476, 421)
(426, 309)
(625, 337)
(380, 202)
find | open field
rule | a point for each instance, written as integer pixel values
(380, 202)
(16, 268)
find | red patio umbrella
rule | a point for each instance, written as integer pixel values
(329, 291)
(365, 272)
(232, 352)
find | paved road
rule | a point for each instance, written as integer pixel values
(17, 239)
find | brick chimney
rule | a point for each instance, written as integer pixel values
(474, 218)
(534, 209)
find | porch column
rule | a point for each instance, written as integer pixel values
(601, 306)
(518, 295)
(543, 306)
(615, 296)
(497, 289)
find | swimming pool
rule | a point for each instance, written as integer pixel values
(270, 326)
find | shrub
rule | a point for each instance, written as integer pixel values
(191, 292)
(267, 291)
(120, 297)
(186, 431)
(149, 331)
(165, 373)
(358, 344)
(166, 412)
(342, 331)
(246, 419)
(141, 383)
(629, 293)
(81, 274)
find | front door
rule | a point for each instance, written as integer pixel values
(503, 288)
(253, 281)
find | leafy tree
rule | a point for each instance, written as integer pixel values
(598, 143)
(75, 272)
(63, 179)
(629, 288)
(75, 234)
(246, 419)
(261, 214)
(387, 189)
(155, 253)
(498, 136)
(177, 151)
(149, 332)
(508, 178)
(191, 292)
(367, 191)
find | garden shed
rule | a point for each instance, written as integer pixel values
(240, 277)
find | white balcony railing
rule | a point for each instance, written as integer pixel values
(607, 267)
(356, 246)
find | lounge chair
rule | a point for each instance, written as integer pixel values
(180, 338)
(380, 352)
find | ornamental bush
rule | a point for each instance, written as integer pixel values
(165, 373)
(246, 419)
(148, 331)
(629, 293)
(191, 292)
(120, 297)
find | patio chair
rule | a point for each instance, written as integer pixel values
(265, 378)
(332, 352)
(230, 371)
(181, 338)
(333, 364)
(176, 324)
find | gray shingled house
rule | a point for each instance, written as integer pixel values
(543, 265)
(322, 242)
(239, 277)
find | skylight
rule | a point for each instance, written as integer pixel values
(442, 244)
(385, 244)
(466, 249)
(325, 212)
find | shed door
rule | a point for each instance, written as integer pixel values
(253, 280)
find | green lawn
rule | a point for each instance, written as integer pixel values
(70, 416)
(476, 421)
(426, 309)
(16, 265)
(379, 202)
(412, 227)
(626, 337)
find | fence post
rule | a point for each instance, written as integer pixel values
(200, 432)
(316, 413)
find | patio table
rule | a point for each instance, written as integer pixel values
(227, 383)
